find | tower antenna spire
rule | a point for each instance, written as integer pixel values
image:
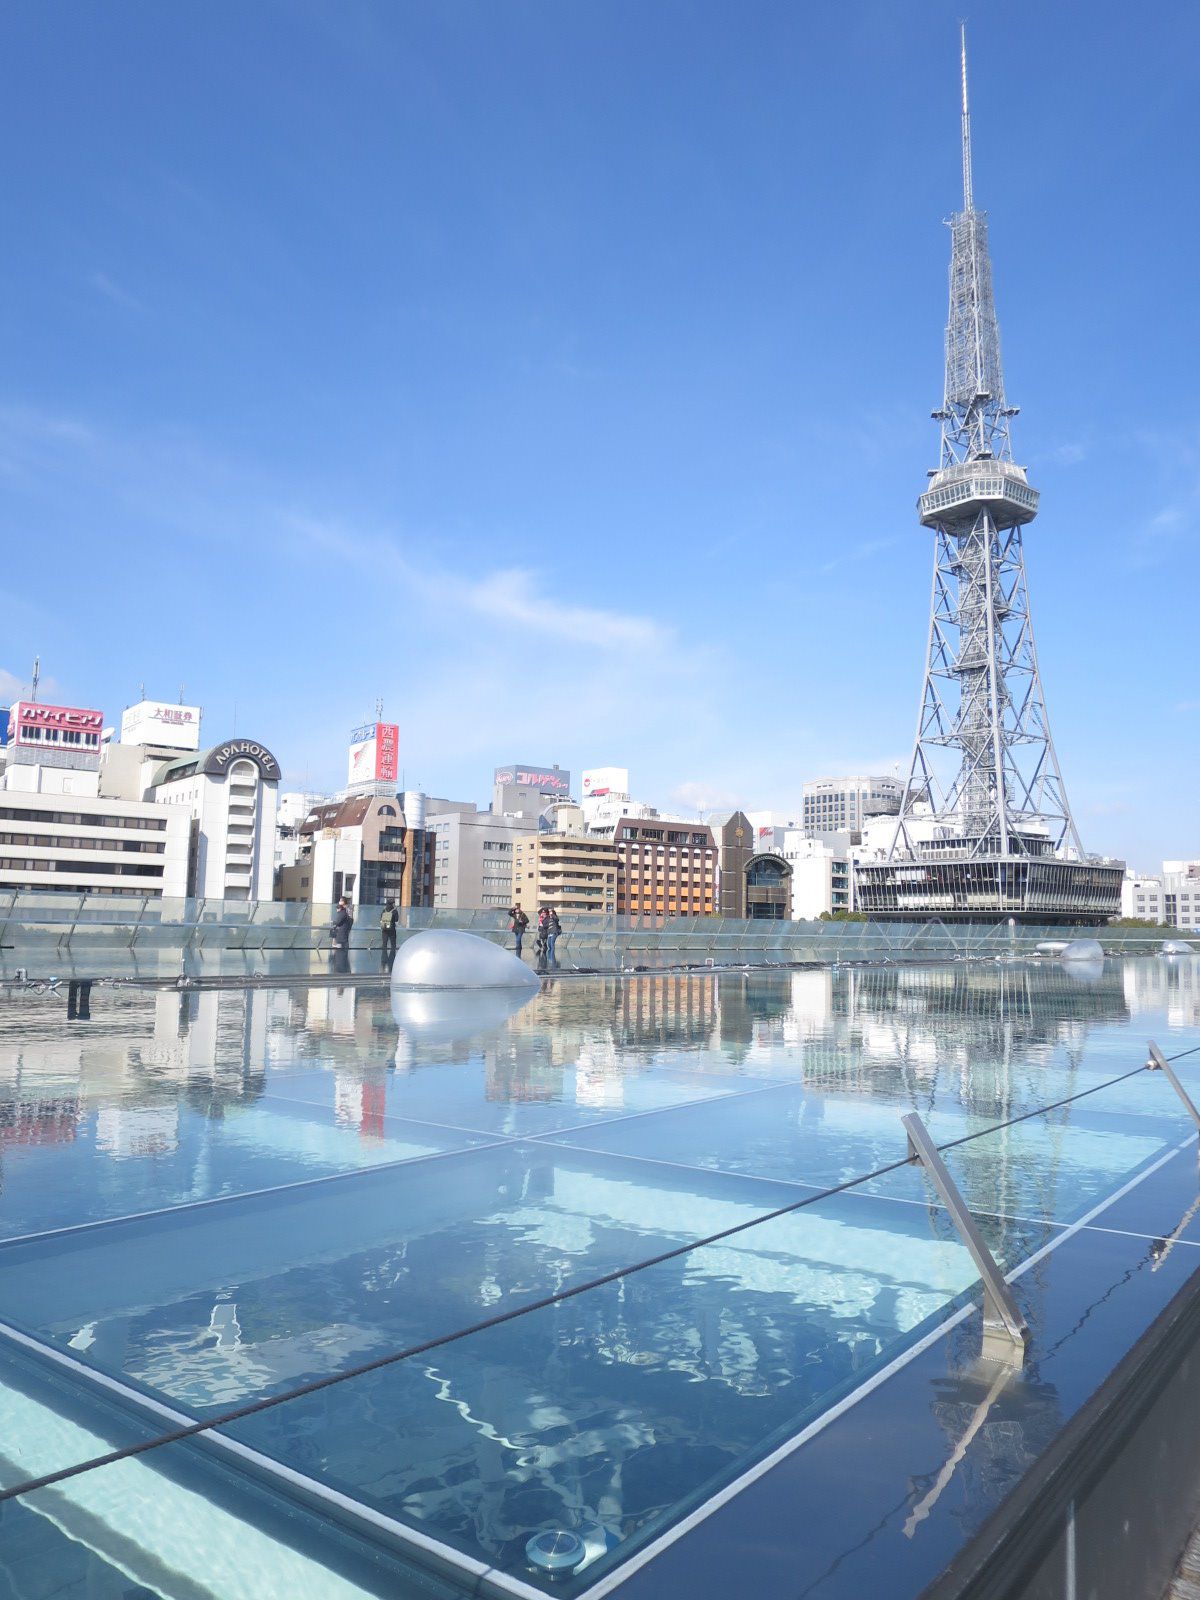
(968, 193)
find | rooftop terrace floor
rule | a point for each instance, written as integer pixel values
(215, 1198)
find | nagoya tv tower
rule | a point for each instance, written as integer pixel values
(985, 830)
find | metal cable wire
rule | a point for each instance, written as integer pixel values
(269, 1402)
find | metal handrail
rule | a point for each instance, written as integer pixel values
(1001, 1315)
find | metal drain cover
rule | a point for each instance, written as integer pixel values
(555, 1550)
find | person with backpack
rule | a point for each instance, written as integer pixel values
(389, 922)
(517, 923)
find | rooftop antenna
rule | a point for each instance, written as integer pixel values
(37, 677)
(968, 194)
(181, 689)
(378, 707)
(141, 691)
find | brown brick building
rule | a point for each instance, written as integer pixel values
(665, 868)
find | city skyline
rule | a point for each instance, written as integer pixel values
(551, 451)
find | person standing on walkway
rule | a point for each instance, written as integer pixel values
(543, 933)
(340, 929)
(517, 924)
(553, 929)
(389, 922)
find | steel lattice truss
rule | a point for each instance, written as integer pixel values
(983, 697)
(983, 693)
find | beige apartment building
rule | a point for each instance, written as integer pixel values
(569, 871)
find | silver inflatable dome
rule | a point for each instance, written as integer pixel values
(443, 958)
(1083, 950)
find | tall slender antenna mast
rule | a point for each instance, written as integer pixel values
(968, 194)
(37, 675)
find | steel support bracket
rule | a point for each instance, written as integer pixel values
(1005, 1331)
(1159, 1063)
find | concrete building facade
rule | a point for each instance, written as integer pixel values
(1171, 898)
(474, 853)
(523, 790)
(568, 871)
(733, 834)
(363, 848)
(822, 877)
(58, 833)
(665, 868)
(229, 792)
(836, 805)
(83, 844)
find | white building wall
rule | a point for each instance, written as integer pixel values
(37, 849)
(234, 815)
(473, 859)
(822, 880)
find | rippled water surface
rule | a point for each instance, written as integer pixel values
(216, 1196)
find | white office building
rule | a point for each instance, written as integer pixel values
(822, 880)
(59, 833)
(1171, 898)
(473, 854)
(230, 793)
(845, 805)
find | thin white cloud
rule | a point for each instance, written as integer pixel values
(13, 687)
(111, 290)
(861, 552)
(700, 794)
(510, 596)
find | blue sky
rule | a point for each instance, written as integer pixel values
(562, 375)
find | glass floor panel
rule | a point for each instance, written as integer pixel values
(328, 1177)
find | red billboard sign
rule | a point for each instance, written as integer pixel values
(387, 751)
(39, 726)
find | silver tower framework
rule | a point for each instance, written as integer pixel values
(994, 836)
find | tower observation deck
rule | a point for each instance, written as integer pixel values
(984, 830)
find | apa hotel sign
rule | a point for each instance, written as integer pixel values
(222, 756)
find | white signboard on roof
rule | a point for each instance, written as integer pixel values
(605, 780)
(159, 722)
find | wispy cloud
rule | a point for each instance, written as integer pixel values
(1187, 705)
(1068, 454)
(14, 688)
(861, 552)
(509, 596)
(111, 290)
(701, 794)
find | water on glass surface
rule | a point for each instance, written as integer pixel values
(221, 1195)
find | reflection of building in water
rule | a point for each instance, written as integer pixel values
(1165, 983)
(360, 1103)
(133, 1131)
(993, 1025)
(140, 1047)
(667, 1009)
(748, 1001)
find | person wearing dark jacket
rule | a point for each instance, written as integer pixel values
(553, 929)
(517, 924)
(342, 923)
